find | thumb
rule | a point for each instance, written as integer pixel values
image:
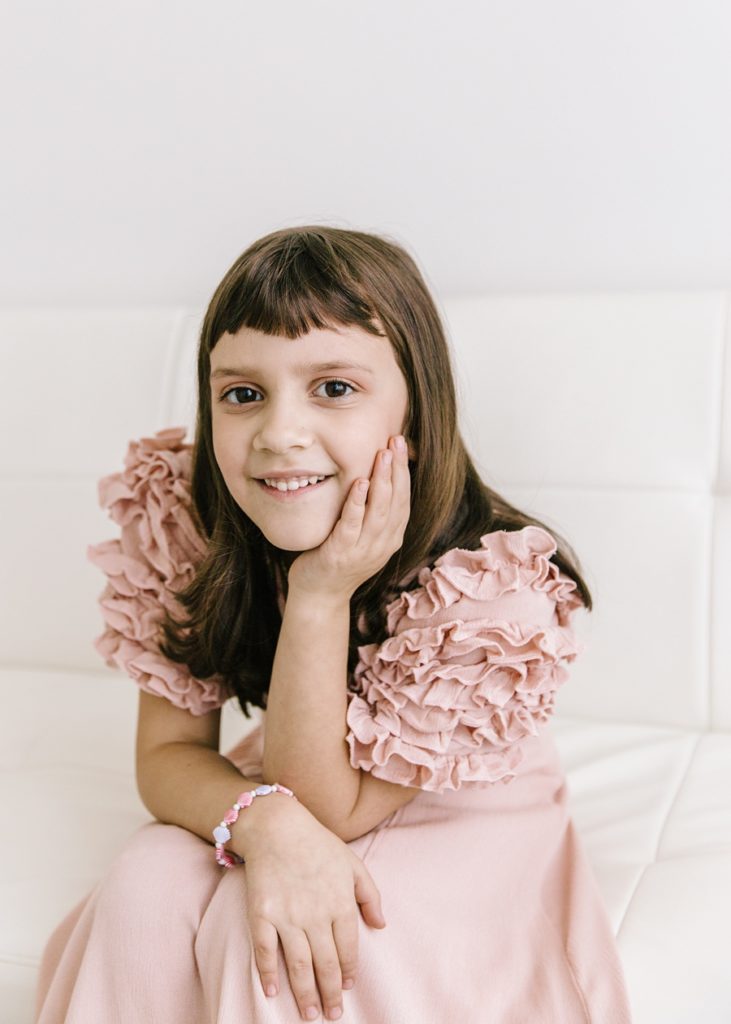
(368, 896)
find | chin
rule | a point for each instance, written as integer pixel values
(296, 543)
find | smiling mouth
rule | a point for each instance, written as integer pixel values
(285, 494)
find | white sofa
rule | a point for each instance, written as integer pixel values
(607, 415)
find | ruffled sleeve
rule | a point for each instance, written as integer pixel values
(470, 668)
(155, 556)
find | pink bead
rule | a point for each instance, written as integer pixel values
(222, 834)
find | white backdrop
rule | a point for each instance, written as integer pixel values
(514, 146)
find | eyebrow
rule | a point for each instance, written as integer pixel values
(304, 368)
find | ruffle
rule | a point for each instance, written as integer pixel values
(446, 704)
(156, 555)
(507, 560)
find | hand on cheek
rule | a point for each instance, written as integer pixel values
(370, 529)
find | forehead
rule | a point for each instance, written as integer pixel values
(322, 348)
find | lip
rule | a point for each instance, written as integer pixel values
(299, 493)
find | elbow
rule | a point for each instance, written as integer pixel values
(143, 791)
(347, 833)
(351, 826)
(140, 784)
(147, 781)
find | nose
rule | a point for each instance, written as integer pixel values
(282, 425)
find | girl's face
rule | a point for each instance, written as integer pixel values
(277, 410)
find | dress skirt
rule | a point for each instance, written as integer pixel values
(493, 916)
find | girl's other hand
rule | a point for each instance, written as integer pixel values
(370, 529)
(303, 887)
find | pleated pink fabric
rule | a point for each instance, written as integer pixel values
(494, 915)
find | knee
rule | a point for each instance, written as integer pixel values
(162, 872)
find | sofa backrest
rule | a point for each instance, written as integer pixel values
(605, 415)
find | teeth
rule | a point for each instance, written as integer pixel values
(294, 484)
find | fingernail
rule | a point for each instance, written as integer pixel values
(386, 458)
(271, 990)
(312, 1013)
(349, 983)
(401, 443)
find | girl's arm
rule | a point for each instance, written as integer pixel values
(304, 725)
(183, 780)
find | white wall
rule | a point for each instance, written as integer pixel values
(510, 145)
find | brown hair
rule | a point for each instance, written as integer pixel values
(287, 283)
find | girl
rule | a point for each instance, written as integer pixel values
(326, 551)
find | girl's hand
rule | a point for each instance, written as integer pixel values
(367, 533)
(303, 887)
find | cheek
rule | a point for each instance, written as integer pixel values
(223, 451)
(355, 450)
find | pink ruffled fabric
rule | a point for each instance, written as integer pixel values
(476, 655)
(155, 556)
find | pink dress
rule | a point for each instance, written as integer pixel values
(493, 913)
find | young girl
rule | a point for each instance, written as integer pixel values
(326, 551)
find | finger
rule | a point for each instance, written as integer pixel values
(350, 523)
(380, 493)
(368, 896)
(345, 934)
(401, 484)
(265, 939)
(298, 955)
(359, 493)
(327, 970)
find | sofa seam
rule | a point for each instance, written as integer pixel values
(661, 830)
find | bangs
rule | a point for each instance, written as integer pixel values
(289, 284)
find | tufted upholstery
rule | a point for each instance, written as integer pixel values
(606, 415)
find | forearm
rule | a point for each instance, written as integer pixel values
(193, 786)
(305, 727)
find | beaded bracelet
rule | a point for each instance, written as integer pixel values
(222, 833)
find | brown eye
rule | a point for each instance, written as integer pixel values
(231, 391)
(340, 383)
